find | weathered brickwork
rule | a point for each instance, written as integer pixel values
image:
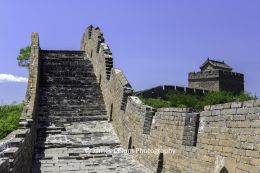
(222, 137)
(17, 154)
(217, 80)
(161, 91)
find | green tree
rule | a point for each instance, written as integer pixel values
(24, 56)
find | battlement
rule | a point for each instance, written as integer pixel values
(95, 36)
(193, 136)
(161, 91)
(234, 75)
(214, 74)
(93, 43)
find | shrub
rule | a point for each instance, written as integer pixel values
(180, 99)
(9, 118)
(156, 103)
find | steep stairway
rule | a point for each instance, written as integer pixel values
(73, 134)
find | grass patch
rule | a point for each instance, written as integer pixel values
(184, 100)
(9, 118)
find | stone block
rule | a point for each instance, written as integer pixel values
(252, 117)
(227, 105)
(236, 105)
(227, 149)
(239, 117)
(255, 123)
(255, 162)
(207, 108)
(248, 146)
(248, 104)
(231, 111)
(242, 111)
(257, 103)
(253, 153)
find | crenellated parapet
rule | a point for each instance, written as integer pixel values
(214, 74)
(161, 91)
(184, 140)
(93, 43)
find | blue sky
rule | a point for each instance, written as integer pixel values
(154, 42)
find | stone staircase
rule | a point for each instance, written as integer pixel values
(73, 134)
(69, 91)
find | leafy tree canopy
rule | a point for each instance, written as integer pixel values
(24, 56)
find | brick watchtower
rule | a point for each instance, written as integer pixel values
(217, 76)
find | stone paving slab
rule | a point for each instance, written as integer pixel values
(77, 155)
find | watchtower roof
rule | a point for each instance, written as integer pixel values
(217, 65)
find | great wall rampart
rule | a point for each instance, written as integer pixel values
(222, 129)
(224, 137)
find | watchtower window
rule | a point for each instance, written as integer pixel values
(223, 170)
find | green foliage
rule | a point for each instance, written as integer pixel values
(156, 103)
(179, 99)
(9, 118)
(212, 98)
(24, 56)
(244, 97)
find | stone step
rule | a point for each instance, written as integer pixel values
(72, 107)
(61, 52)
(56, 116)
(72, 119)
(66, 119)
(71, 96)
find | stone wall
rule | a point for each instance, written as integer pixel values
(221, 137)
(17, 148)
(217, 80)
(229, 134)
(230, 81)
(225, 136)
(161, 91)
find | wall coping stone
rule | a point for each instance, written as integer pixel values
(231, 105)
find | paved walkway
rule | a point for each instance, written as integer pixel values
(84, 147)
